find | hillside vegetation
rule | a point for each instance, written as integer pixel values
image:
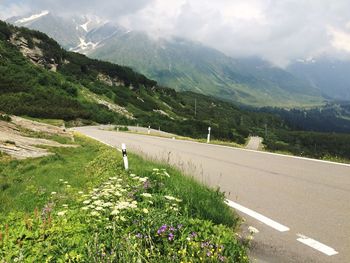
(49, 82)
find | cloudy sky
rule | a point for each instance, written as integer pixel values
(277, 30)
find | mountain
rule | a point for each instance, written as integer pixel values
(330, 76)
(40, 79)
(179, 63)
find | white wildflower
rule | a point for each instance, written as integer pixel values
(65, 205)
(146, 195)
(81, 192)
(145, 210)
(86, 202)
(98, 203)
(169, 197)
(95, 213)
(143, 179)
(61, 213)
(66, 182)
(53, 193)
(99, 208)
(85, 208)
(108, 204)
(115, 212)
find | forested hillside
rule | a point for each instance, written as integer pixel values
(40, 79)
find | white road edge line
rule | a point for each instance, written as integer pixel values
(257, 216)
(316, 245)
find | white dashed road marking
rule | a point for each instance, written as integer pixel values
(257, 216)
(316, 245)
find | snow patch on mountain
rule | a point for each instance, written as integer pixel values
(85, 26)
(84, 47)
(32, 17)
(309, 60)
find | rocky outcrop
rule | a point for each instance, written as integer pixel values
(110, 81)
(33, 52)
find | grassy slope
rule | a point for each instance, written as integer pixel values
(27, 186)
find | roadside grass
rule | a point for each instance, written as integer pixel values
(27, 184)
(200, 201)
(80, 205)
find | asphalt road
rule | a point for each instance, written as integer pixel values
(302, 197)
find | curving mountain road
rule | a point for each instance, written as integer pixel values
(300, 206)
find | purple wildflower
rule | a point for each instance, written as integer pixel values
(194, 234)
(204, 244)
(221, 258)
(162, 229)
(139, 235)
(171, 236)
(179, 226)
(172, 228)
(208, 254)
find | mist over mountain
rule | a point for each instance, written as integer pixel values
(177, 62)
(329, 75)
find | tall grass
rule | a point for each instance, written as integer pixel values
(201, 201)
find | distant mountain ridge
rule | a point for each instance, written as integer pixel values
(330, 76)
(178, 63)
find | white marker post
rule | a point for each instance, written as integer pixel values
(149, 130)
(208, 139)
(125, 157)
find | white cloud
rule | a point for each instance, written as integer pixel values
(276, 30)
(340, 39)
(11, 10)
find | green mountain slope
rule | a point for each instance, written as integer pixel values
(186, 65)
(179, 63)
(40, 79)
